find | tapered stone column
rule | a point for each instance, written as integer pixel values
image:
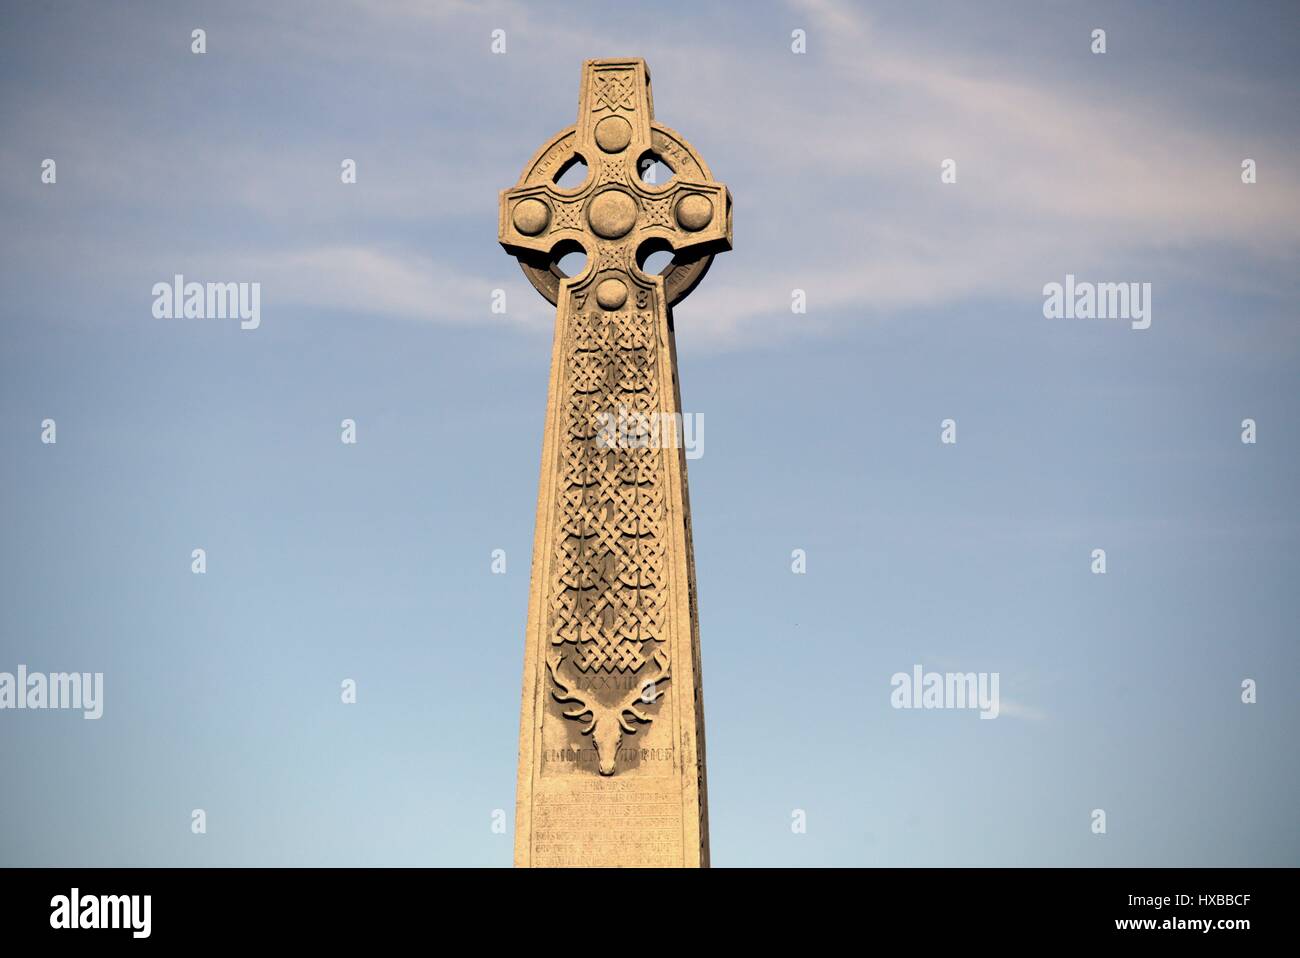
(611, 743)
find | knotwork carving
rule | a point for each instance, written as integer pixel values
(607, 596)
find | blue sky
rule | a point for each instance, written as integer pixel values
(1119, 691)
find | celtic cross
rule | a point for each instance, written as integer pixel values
(611, 763)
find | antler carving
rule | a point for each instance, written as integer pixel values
(608, 722)
(570, 695)
(646, 692)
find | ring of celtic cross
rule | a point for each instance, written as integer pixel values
(615, 217)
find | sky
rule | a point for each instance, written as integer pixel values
(1120, 692)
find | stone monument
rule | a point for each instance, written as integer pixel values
(611, 740)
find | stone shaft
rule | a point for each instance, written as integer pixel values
(611, 748)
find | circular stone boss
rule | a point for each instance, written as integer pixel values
(613, 134)
(694, 212)
(611, 293)
(612, 214)
(531, 216)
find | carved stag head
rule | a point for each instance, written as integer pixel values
(609, 722)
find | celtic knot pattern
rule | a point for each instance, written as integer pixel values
(612, 256)
(611, 171)
(656, 213)
(607, 596)
(614, 92)
(568, 216)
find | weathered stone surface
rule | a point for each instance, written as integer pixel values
(611, 745)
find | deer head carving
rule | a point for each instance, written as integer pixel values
(609, 722)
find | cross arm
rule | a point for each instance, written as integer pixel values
(536, 217)
(687, 214)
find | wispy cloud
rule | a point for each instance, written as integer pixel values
(397, 284)
(833, 157)
(1020, 711)
(1050, 178)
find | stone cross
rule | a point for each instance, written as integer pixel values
(611, 745)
